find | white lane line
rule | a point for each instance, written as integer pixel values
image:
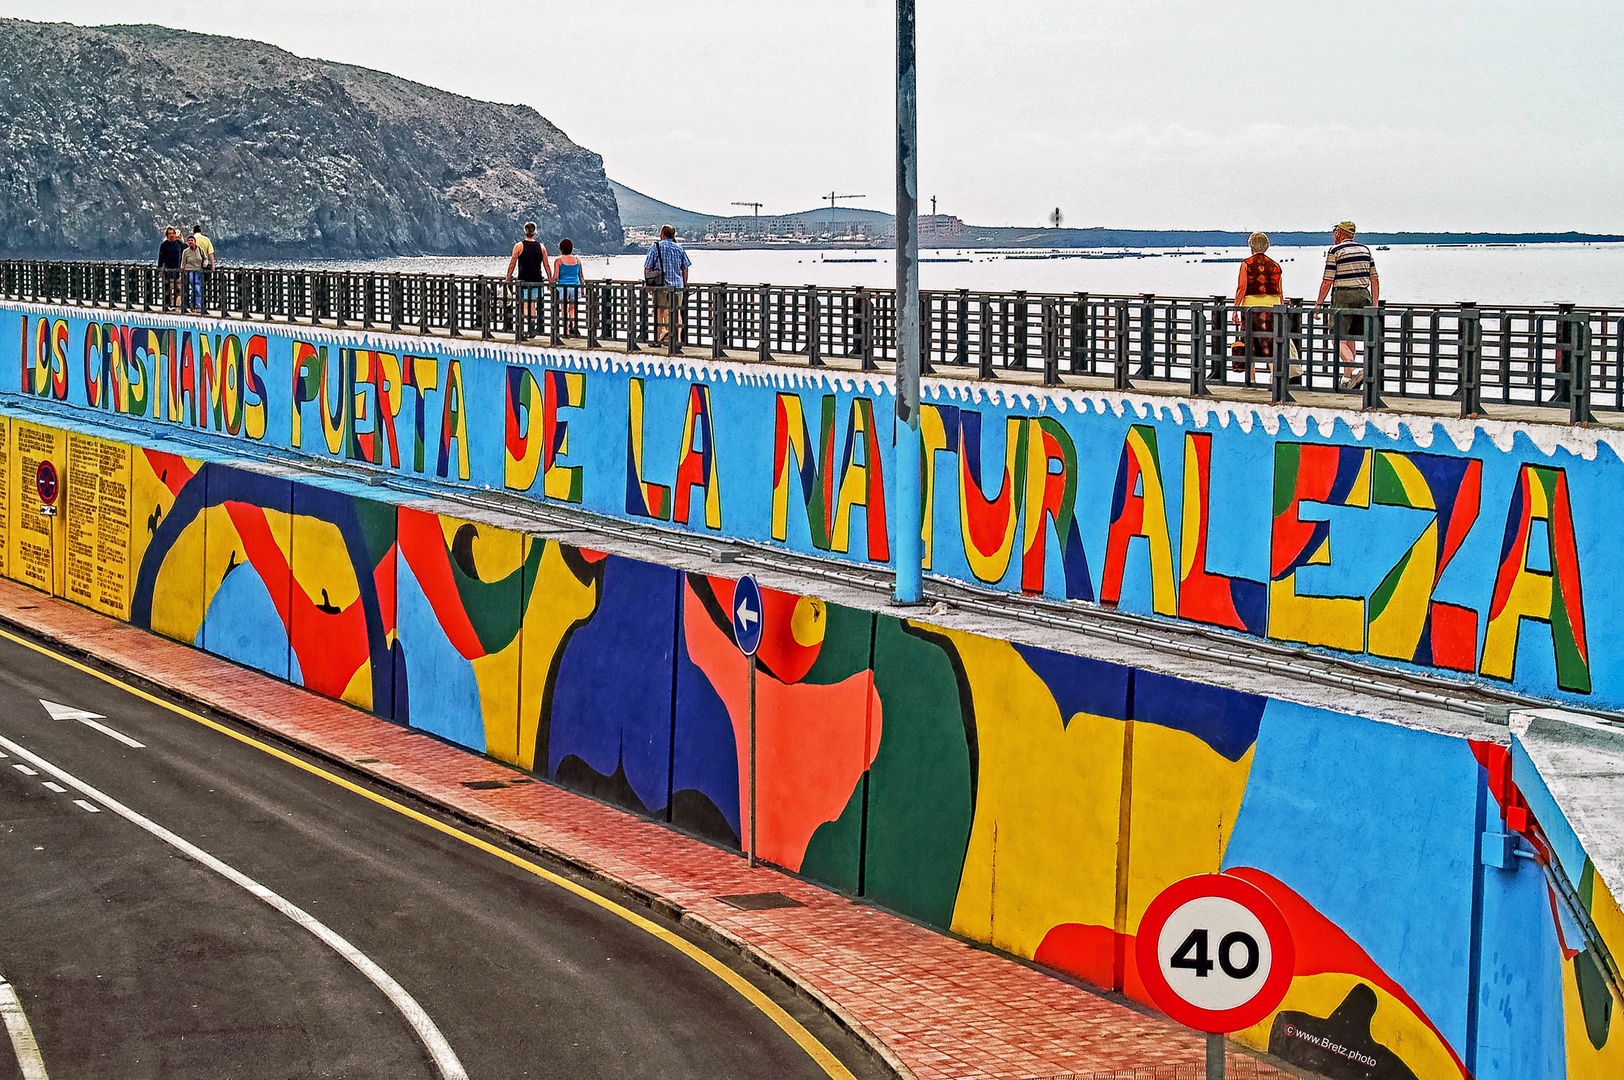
(84, 805)
(22, 1036)
(52, 785)
(25, 770)
(445, 1059)
(105, 730)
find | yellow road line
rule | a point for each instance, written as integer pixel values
(745, 989)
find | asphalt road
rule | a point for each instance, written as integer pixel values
(133, 959)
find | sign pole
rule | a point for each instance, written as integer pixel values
(1215, 1055)
(748, 613)
(905, 437)
(752, 862)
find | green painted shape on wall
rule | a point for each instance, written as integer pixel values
(921, 796)
(847, 646)
(835, 850)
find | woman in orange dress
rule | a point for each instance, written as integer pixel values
(1260, 286)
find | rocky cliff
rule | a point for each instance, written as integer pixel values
(108, 134)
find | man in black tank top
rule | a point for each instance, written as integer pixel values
(531, 262)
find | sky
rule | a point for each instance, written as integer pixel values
(1462, 115)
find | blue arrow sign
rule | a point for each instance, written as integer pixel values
(747, 615)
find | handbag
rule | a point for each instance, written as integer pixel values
(654, 276)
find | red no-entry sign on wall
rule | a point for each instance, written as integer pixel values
(45, 483)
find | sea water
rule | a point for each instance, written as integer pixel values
(1590, 275)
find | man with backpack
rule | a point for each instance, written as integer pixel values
(666, 272)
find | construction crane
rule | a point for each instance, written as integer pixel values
(832, 197)
(755, 205)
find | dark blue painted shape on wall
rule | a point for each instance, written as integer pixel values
(1080, 685)
(1226, 720)
(611, 705)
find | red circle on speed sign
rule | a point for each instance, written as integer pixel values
(45, 482)
(1215, 953)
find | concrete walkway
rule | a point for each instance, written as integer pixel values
(930, 1005)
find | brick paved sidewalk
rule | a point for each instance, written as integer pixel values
(941, 1009)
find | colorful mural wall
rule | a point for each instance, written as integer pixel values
(1027, 798)
(1470, 549)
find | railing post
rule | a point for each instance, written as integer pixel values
(718, 321)
(764, 324)
(590, 293)
(1120, 375)
(1469, 358)
(1079, 332)
(962, 352)
(423, 314)
(635, 305)
(1051, 342)
(1375, 353)
(1280, 362)
(1020, 349)
(984, 339)
(555, 315)
(1198, 349)
(1147, 336)
(487, 307)
(865, 328)
(814, 335)
(1579, 367)
(1219, 371)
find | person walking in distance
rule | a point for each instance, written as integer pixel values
(533, 266)
(191, 264)
(1259, 286)
(205, 245)
(670, 263)
(1350, 278)
(169, 266)
(567, 278)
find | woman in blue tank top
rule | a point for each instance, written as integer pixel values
(567, 278)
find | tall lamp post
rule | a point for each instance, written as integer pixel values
(909, 587)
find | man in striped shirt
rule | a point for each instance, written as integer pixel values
(1350, 278)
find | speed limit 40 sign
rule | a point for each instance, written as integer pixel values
(1215, 953)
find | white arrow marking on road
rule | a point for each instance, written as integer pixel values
(445, 1059)
(22, 1036)
(746, 616)
(67, 712)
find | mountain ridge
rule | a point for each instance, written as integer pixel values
(109, 133)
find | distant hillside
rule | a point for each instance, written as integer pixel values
(107, 134)
(849, 226)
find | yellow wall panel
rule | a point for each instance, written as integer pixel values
(36, 546)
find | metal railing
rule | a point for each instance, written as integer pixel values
(1557, 356)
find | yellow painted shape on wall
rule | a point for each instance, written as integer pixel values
(359, 690)
(150, 503)
(1585, 1062)
(497, 552)
(177, 596)
(37, 545)
(7, 486)
(1043, 846)
(1397, 630)
(1394, 1025)
(558, 602)
(322, 562)
(498, 678)
(1185, 799)
(1337, 622)
(220, 543)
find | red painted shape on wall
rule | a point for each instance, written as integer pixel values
(422, 543)
(813, 742)
(1082, 949)
(1323, 947)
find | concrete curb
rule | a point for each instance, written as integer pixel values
(636, 894)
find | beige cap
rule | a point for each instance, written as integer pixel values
(1347, 227)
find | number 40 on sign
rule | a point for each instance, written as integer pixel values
(1215, 954)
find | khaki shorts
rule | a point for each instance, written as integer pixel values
(1350, 325)
(667, 298)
